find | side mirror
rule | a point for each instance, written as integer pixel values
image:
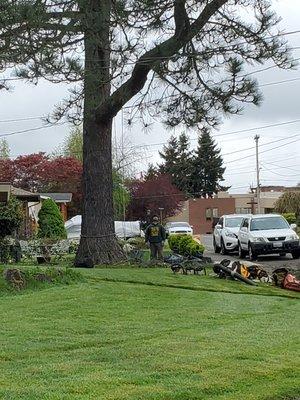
(294, 227)
(243, 229)
(218, 226)
(192, 226)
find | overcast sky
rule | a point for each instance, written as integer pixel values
(280, 166)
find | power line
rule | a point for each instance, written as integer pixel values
(20, 119)
(230, 133)
(245, 130)
(32, 129)
(252, 155)
(279, 82)
(264, 144)
(276, 173)
(283, 167)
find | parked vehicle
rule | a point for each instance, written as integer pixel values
(267, 234)
(225, 235)
(178, 228)
(123, 229)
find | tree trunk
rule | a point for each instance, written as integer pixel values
(98, 243)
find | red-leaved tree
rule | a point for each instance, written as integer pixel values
(40, 173)
(153, 195)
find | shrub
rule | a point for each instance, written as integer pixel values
(290, 217)
(51, 224)
(185, 245)
(11, 217)
(4, 251)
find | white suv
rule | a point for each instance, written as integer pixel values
(225, 237)
(267, 234)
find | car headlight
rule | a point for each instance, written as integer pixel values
(292, 237)
(259, 240)
(229, 234)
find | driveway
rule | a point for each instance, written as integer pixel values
(269, 263)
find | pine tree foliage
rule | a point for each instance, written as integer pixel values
(177, 161)
(4, 149)
(151, 173)
(51, 224)
(207, 168)
(196, 173)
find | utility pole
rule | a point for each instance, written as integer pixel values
(256, 138)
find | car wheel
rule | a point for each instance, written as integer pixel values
(216, 247)
(242, 252)
(252, 254)
(223, 250)
(296, 255)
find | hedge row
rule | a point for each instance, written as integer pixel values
(185, 245)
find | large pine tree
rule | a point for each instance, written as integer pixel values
(112, 53)
(207, 168)
(177, 162)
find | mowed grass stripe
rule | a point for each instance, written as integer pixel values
(109, 340)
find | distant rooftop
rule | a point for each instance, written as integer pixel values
(58, 197)
(21, 194)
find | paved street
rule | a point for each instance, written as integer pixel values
(268, 262)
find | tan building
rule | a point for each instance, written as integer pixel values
(202, 214)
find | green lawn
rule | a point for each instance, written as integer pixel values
(144, 334)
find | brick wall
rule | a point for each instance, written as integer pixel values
(202, 212)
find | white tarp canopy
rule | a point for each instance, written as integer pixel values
(123, 229)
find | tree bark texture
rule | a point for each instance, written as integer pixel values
(98, 243)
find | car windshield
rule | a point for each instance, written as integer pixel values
(261, 224)
(180, 224)
(233, 222)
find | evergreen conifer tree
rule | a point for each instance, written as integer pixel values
(207, 168)
(51, 224)
(4, 149)
(105, 51)
(151, 173)
(177, 162)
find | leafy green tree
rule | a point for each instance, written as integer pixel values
(4, 149)
(120, 195)
(51, 224)
(177, 162)
(105, 49)
(289, 202)
(290, 217)
(11, 217)
(73, 144)
(207, 167)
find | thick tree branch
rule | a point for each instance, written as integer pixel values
(184, 33)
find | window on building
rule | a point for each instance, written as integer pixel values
(208, 213)
(243, 210)
(215, 212)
